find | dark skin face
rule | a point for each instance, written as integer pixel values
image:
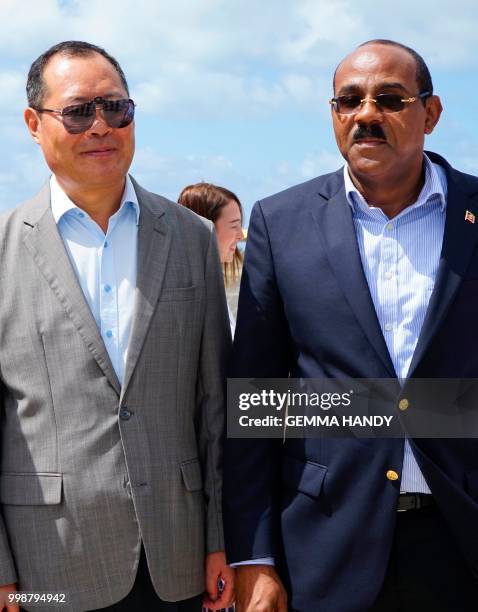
(385, 164)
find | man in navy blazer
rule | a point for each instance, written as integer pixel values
(368, 272)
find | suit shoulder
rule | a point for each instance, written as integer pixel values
(468, 182)
(179, 214)
(184, 223)
(292, 197)
(28, 211)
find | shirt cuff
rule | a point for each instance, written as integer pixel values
(263, 561)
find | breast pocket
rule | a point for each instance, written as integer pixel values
(181, 294)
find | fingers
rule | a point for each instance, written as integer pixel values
(227, 596)
(212, 589)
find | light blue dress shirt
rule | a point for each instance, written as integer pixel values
(400, 259)
(105, 265)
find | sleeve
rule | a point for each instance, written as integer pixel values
(7, 567)
(252, 467)
(214, 353)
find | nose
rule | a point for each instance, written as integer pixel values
(99, 127)
(240, 234)
(368, 112)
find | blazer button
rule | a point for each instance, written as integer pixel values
(392, 475)
(125, 414)
(403, 404)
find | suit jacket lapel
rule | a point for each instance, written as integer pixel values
(334, 218)
(459, 242)
(154, 239)
(46, 247)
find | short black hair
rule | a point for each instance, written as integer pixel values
(73, 48)
(424, 79)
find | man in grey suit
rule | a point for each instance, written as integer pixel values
(113, 340)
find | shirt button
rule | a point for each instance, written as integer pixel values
(107, 288)
(109, 334)
(106, 244)
(125, 414)
(392, 475)
(388, 275)
(81, 214)
(403, 404)
(388, 326)
(389, 226)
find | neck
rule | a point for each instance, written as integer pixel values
(391, 194)
(100, 203)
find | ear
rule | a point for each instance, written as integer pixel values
(32, 119)
(433, 110)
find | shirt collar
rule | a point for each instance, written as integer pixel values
(434, 185)
(61, 203)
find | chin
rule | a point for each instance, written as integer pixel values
(369, 166)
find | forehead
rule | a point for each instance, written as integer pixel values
(377, 65)
(80, 78)
(230, 211)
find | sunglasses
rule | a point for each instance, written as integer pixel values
(387, 103)
(78, 118)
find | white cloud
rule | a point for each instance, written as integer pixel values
(320, 163)
(22, 175)
(169, 174)
(208, 95)
(12, 86)
(222, 60)
(236, 58)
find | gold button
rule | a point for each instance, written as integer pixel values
(403, 404)
(392, 475)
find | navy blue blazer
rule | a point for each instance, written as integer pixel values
(324, 508)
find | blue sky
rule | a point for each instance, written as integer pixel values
(235, 91)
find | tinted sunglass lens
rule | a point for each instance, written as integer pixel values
(348, 104)
(390, 102)
(118, 113)
(79, 117)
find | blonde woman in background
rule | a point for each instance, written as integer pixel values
(224, 209)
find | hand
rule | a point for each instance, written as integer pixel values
(217, 568)
(4, 592)
(259, 589)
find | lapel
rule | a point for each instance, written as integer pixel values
(154, 240)
(459, 241)
(48, 252)
(334, 219)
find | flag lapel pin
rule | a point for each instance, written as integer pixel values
(469, 216)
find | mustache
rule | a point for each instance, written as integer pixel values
(369, 131)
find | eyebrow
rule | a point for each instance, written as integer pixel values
(355, 88)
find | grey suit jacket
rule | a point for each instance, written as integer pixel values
(88, 468)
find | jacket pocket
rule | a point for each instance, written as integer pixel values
(180, 294)
(30, 489)
(192, 477)
(305, 476)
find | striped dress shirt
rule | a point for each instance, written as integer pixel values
(400, 259)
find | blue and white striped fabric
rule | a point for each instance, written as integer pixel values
(400, 259)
